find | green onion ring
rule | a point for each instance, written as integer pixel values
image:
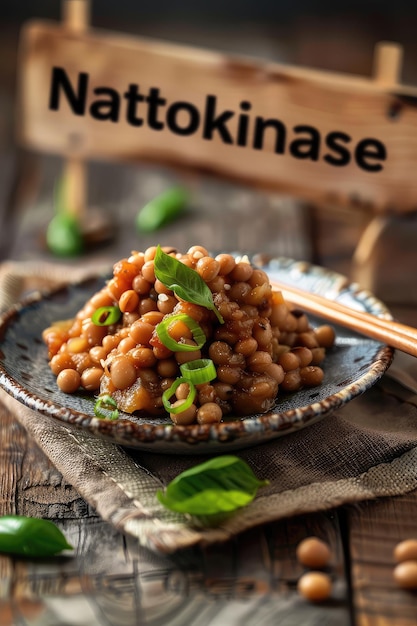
(106, 315)
(168, 393)
(199, 371)
(106, 402)
(162, 330)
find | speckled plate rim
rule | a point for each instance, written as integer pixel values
(239, 433)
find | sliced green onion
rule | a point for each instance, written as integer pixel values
(167, 395)
(106, 315)
(199, 371)
(162, 330)
(106, 402)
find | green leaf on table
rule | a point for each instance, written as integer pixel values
(31, 536)
(220, 485)
(162, 209)
(185, 282)
(63, 236)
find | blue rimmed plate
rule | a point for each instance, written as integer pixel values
(351, 367)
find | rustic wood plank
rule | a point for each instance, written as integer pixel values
(375, 529)
(253, 576)
(328, 103)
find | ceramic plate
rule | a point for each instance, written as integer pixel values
(353, 365)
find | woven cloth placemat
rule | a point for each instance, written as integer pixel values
(365, 450)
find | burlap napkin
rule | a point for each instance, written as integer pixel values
(365, 450)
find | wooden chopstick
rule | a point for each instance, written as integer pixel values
(389, 332)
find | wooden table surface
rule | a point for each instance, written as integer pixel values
(249, 581)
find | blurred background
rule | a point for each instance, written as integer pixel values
(323, 34)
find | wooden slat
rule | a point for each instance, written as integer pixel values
(375, 529)
(362, 108)
(256, 573)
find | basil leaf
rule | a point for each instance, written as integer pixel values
(221, 485)
(31, 536)
(185, 282)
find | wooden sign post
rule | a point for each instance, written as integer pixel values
(332, 139)
(76, 18)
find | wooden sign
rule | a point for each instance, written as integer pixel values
(331, 138)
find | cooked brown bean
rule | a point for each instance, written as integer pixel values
(325, 336)
(262, 333)
(137, 259)
(276, 372)
(208, 268)
(257, 278)
(258, 295)
(61, 361)
(223, 391)
(239, 291)
(166, 304)
(94, 334)
(146, 305)
(259, 361)
(130, 318)
(183, 418)
(185, 357)
(141, 285)
(161, 352)
(220, 352)
(229, 375)
(308, 340)
(110, 342)
(217, 284)
(161, 288)
(318, 355)
(91, 378)
(82, 361)
(304, 355)
(261, 388)
(98, 354)
(209, 413)
(152, 317)
(141, 332)
(290, 324)
(143, 357)
(68, 380)
(122, 372)
(289, 361)
(148, 271)
(303, 324)
(167, 368)
(183, 391)
(242, 272)
(102, 298)
(75, 345)
(206, 393)
(129, 301)
(246, 346)
(292, 381)
(311, 375)
(226, 262)
(126, 344)
(197, 252)
(279, 315)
